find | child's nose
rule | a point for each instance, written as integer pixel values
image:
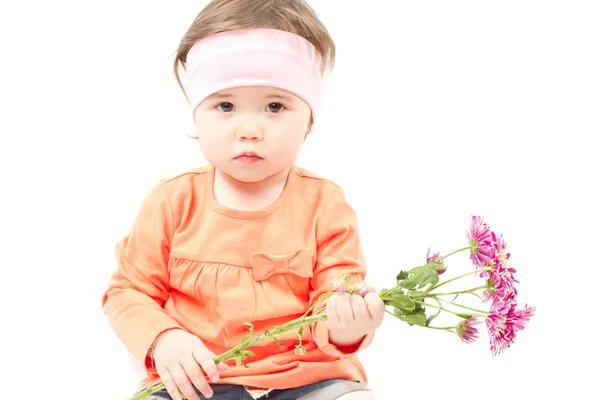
(251, 131)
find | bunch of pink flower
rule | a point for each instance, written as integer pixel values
(488, 250)
(415, 289)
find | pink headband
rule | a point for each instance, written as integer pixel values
(254, 57)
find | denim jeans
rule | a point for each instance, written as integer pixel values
(325, 390)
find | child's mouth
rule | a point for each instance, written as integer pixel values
(248, 159)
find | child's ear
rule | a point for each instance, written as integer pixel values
(307, 132)
(310, 125)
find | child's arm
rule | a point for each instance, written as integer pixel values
(139, 287)
(338, 253)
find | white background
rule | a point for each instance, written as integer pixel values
(435, 110)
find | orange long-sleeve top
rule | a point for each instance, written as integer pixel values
(189, 262)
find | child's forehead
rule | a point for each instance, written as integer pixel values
(258, 91)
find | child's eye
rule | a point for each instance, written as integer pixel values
(275, 107)
(225, 107)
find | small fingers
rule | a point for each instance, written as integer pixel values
(331, 309)
(169, 382)
(207, 361)
(183, 383)
(222, 366)
(193, 371)
(359, 307)
(344, 309)
(376, 308)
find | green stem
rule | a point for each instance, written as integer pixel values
(445, 309)
(445, 302)
(454, 252)
(458, 277)
(469, 308)
(458, 292)
(320, 299)
(288, 326)
(476, 295)
(441, 328)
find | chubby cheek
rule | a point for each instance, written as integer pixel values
(214, 150)
(284, 154)
(285, 149)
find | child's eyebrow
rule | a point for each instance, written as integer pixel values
(218, 96)
(280, 96)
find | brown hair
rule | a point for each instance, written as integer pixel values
(294, 16)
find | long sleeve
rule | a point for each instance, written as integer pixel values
(338, 253)
(139, 287)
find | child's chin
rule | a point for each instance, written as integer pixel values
(249, 176)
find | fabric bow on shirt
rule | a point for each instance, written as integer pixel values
(265, 265)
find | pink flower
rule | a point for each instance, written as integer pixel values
(363, 292)
(504, 321)
(467, 331)
(500, 285)
(435, 257)
(480, 240)
(501, 281)
(339, 285)
(500, 246)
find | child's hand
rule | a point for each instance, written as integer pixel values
(350, 318)
(178, 355)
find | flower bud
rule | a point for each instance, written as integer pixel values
(340, 284)
(467, 331)
(363, 292)
(300, 350)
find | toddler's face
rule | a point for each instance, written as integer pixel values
(252, 132)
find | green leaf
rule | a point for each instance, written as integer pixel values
(394, 295)
(401, 275)
(465, 316)
(419, 308)
(409, 283)
(423, 276)
(397, 297)
(431, 318)
(406, 304)
(436, 265)
(398, 312)
(397, 291)
(388, 302)
(418, 270)
(414, 319)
